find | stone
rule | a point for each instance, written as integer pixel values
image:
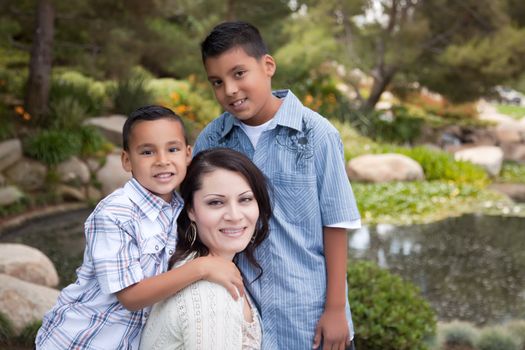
(23, 302)
(514, 152)
(379, 168)
(112, 175)
(10, 153)
(10, 195)
(28, 264)
(109, 126)
(515, 191)
(74, 171)
(71, 193)
(488, 157)
(27, 174)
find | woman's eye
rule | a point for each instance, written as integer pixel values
(214, 203)
(246, 199)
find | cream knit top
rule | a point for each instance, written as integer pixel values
(202, 316)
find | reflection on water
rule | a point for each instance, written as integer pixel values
(470, 268)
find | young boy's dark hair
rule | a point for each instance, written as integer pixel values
(148, 113)
(233, 34)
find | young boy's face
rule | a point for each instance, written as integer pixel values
(158, 156)
(242, 85)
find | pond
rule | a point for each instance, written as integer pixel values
(470, 268)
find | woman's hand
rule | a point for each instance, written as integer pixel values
(224, 272)
(332, 329)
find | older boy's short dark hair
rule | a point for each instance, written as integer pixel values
(148, 113)
(228, 35)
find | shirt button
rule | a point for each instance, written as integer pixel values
(156, 247)
(146, 314)
(171, 251)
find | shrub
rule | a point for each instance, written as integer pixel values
(388, 312)
(93, 143)
(457, 335)
(28, 334)
(496, 339)
(86, 92)
(130, 93)
(6, 329)
(512, 172)
(53, 146)
(67, 113)
(516, 329)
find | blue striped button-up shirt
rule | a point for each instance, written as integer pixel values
(301, 153)
(130, 236)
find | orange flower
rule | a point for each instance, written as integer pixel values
(19, 110)
(175, 96)
(26, 116)
(308, 100)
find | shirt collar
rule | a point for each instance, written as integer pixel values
(150, 204)
(286, 114)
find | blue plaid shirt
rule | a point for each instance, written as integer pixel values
(301, 153)
(130, 236)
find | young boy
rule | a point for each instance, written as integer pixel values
(130, 237)
(302, 292)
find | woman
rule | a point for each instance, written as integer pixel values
(226, 212)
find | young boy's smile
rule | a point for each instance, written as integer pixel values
(242, 85)
(158, 156)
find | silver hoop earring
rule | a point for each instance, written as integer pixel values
(252, 240)
(193, 229)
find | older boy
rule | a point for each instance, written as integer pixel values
(302, 292)
(130, 237)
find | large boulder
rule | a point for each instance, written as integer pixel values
(28, 174)
(112, 175)
(110, 127)
(10, 195)
(384, 168)
(73, 171)
(10, 152)
(28, 264)
(23, 302)
(488, 157)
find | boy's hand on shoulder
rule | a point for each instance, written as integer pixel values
(224, 272)
(332, 329)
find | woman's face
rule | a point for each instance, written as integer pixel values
(225, 211)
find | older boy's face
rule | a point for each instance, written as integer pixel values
(158, 156)
(242, 85)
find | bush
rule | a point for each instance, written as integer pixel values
(388, 312)
(516, 329)
(28, 335)
(457, 335)
(53, 146)
(67, 113)
(88, 93)
(93, 143)
(130, 93)
(496, 339)
(6, 329)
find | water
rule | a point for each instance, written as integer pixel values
(470, 268)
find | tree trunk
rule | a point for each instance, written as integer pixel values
(38, 85)
(381, 81)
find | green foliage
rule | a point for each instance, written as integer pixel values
(67, 113)
(496, 339)
(130, 93)
(87, 93)
(516, 329)
(389, 313)
(457, 335)
(396, 126)
(410, 202)
(7, 125)
(6, 329)
(28, 334)
(52, 146)
(517, 112)
(512, 172)
(93, 142)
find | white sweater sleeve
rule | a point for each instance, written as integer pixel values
(199, 317)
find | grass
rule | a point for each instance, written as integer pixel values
(516, 112)
(512, 172)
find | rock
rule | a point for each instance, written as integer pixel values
(10, 195)
(10, 153)
(514, 152)
(384, 168)
(110, 127)
(112, 175)
(515, 191)
(23, 302)
(508, 133)
(488, 157)
(74, 171)
(28, 174)
(28, 264)
(71, 193)
(2, 180)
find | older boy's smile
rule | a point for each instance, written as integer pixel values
(242, 85)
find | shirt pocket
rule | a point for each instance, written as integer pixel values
(295, 197)
(152, 250)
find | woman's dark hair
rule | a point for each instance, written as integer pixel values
(204, 163)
